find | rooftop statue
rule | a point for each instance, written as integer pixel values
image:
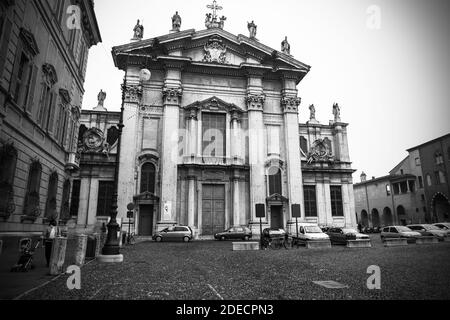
(212, 20)
(138, 31)
(285, 46)
(101, 97)
(336, 112)
(176, 22)
(312, 110)
(252, 29)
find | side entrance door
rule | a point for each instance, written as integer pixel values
(146, 220)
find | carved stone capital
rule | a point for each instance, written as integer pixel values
(132, 93)
(192, 113)
(255, 102)
(290, 104)
(172, 95)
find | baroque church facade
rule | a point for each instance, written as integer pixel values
(214, 132)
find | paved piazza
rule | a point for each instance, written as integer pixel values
(211, 270)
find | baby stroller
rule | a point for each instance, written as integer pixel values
(25, 262)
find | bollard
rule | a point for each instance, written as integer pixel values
(58, 255)
(98, 244)
(80, 253)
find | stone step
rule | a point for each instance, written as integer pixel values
(318, 244)
(395, 242)
(360, 243)
(245, 246)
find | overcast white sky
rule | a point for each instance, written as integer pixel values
(392, 83)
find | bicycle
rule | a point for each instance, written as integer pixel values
(130, 238)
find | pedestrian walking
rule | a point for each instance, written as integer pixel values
(50, 234)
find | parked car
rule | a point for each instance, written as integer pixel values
(342, 235)
(175, 233)
(442, 225)
(310, 231)
(399, 232)
(429, 230)
(234, 233)
(325, 229)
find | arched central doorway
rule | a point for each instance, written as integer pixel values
(387, 217)
(441, 208)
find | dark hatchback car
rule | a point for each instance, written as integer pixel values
(342, 235)
(176, 233)
(234, 233)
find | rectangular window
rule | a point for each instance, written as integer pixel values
(310, 201)
(22, 79)
(420, 182)
(75, 202)
(337, 209)
(396, 188)
(417, 162)
(214, 134)
(105, 192)
(43, 103)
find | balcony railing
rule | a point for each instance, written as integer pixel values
(213, 161)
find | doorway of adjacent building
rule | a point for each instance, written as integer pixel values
(213, 209)
(145, 220)
(441, 207)
(276, 217)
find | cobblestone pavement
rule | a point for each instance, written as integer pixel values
(211, 270)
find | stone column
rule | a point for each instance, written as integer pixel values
(191, 126)
(172, 93)
(83, 204)
(236, 135)
(255, 105)
(236, 206)
(191, 200)
(126, 182)
(290, 103)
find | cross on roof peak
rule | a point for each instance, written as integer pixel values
(214, 6)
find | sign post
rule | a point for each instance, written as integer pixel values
(296, 213)
(130, 212)
(260, 213)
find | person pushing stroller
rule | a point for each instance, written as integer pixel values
(49, 235)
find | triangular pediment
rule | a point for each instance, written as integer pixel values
(213, 104)
(209, 47)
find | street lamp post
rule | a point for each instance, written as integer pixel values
(111, 249)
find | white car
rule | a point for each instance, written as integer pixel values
(443, 225)
(309, 232)
(399, 232)
(429, 229)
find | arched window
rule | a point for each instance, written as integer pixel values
(8, 160)
(438, 158)
(65, 202)
(429, 183)
(31, 206)
(274, 181)
(148, 172)
(388, 190)
(50, 208)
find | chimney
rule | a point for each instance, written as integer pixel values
(363, 177)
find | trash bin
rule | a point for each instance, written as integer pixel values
(91, 247)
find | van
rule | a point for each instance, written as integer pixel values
(308, 232)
